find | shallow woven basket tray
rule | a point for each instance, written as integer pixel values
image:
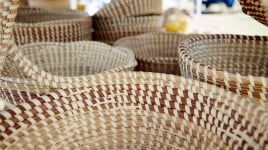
(258, 9)
(155, 52)
(235, 62)
(71, 59)
(51, 25)
(131, 23)
(136, 111)
(130, 8)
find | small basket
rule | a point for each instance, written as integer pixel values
(51, 25)
(131, 23)
(258, 9)
(50, 3)
(236, 62)
(136, 111)
(130, 8)
(155, 52)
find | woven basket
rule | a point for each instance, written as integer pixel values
(130, 8)
(51, 25)
(50, 3)
(258, 9)
(136, 111)
(130, 24)
(73, 59)
(155, 52)
(8, 11)
(235, 62)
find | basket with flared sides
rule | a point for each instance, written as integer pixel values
(155, 52)
(238, 63)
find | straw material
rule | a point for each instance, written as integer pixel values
(62, 64)
(8, 11)
(130, 24)
(50, 3)
(258, 9)
(155, 52)
(74, 59)
(136, 111)
(51, 25)
(130, 8)
(235, 62)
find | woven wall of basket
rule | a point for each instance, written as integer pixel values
(136, 111)
(50, 3)
(51, 25)
(123, 18)
(155, 52)
(258, 9)
(236, 62)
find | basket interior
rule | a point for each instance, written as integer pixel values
(243, 56)
(75, 59)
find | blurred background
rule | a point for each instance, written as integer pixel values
(194, 16)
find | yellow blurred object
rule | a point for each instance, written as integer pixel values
(179, 26)
(81, 7)
(175, 21)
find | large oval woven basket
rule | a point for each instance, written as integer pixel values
(258, 9)
(136, 111)
(51, 25)
(155, 52)
(130, 8)
(235, 62)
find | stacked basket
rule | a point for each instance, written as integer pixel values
(155, 52)
(123, 18)
(51, 25)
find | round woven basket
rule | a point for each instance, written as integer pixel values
(136, 111)
(130, 8)
(50, 3)
(73, 59)
(155, 52)
(130, 24)
(258, 9)
(8, 11)
(110, 30)
(236, 62)
(51, 25)
(61, 64)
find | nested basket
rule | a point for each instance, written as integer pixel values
(71, 62)
(51, 25)
(155, 52)
(130, 8)
(238, 63)
(258, 9)
(136, 111)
